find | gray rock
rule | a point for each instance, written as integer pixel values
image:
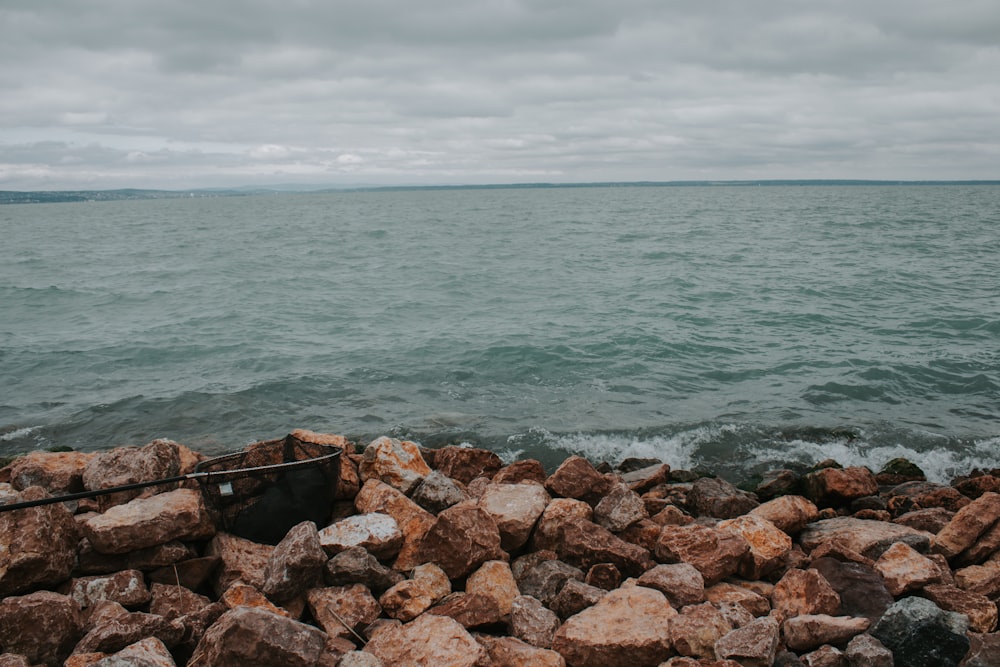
(921, 634)
(437, 492)
(866, 651)
(357, 566)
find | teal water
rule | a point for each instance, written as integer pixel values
(724, 327)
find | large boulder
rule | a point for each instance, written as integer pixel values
(121, 466)
(768, 544)
(810, 631)
(866, 537)
(251, 637)
(239, 559)
(577, 478)
(515, 508)
(696, 629)
(620, 508)
(716, 553)
(466, 463)
(461, 539)
(378, 533)
(343, 610)
(968, 525)
(859, 587)
(804, 592)
(413, 520)
(428, 640)
(903, 569)
(37, 545)
(42, 626)
(789, 513)
(296, 563)
(921, 634)
(682, 583)
(494, 580)
(146, 522)
(127, 588)
(396, 463)
(411, 597)
(715, 497)
(584, 544)
(753, 645)
(838, 486)
(57, 472)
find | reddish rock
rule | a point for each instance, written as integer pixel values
(525, 470)
(921, 495)
(43, 626)
(413, 520)
(869, 538)
(378, 533)
(605, 576)
(984, 651)
(931, 519)
(37, 545)
(789, 513)
(471, 610)
(644, 533)
(804, 592)
(91, 561)
(357, 566)
(809, 631)
(520, 565)
(512, 652)
(861, 589)
(516, 509)
(723, 592)
(695, 630)
(715, 497)
(577, 478)
(983, 548)
(172, 602)
(753, 645)
(241, 560)
(715, 553)
(494, 580)
(982, 579)
(838, 486)
(977, 485)
(466, 463)
(189, 573)
(396, 463)
(825, 656)
(146, 522)
(252, 637)
(127, 588)
(532, 622)
(735, 614)
(296, 564)
(349, 480)
(544, 581)
(57, 472)
(682, 583)
(437, 492)
(866, 651)
(149, 652)
(331, 439)
(428, 640)
(768, 544)
(409, 598)
(245, 595)
(548, 531)
(574, 597)
(114, 628)
(461, 539)
(584, 543)
(646, 478)
(982, 611)
(903, 569)
(619, 508)
(343, 610)
(120, 466)
(629, 627)
(968, 524)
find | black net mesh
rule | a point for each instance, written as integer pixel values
(269, 487)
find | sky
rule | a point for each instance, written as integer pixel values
(99, 94)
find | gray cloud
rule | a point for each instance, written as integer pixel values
(118, 94)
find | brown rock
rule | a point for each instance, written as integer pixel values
(735, 614)
(111, 631)
(968, 524)
(57, 472)
(577, 478)
(682, 583)
(296, 564)
(548, 531)
(605, 576)
(869, 538)
(584, 543)
(12, 660)
(396, 463)
(647, 477)
(149, 652)
(984, 651)
(574, 597)
(825, 656)
(866, 651)
(526, 470)
(190, 573)
(715, 497)
(37, 545)
(520, 565)
(695, 630)
(903, 569)
(723, 592)
(753, 645)
(714, 552)
(128, 465)
(241, 560)
(629, 627)
(495, 580)
(357, 566)
(977, 485)
(789, 513)
(768, 544)
(461, 539)
(349, 482)
(343, 610)
(776, 483)
(983, 579)
(252, 637)
(838, 486)
(127, 588)
(471, 610)
(919, 495)
(42, 626)
(428, 640)
(671, 515)
(512, 652)
(146, 522)
(931, 519)
(331, 439)
(172, 602)
(515, 508)
(437, 492)
(861, 589)
(982, 612)
(804, 592)
(620, 508)
(532, 622)
(378, 533)
(809, 631)
(544, 581)
(466, 463)
(412, 597)
(413, 520)
(984, 547)
(245, 595)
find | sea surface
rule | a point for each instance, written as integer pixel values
(729, 328)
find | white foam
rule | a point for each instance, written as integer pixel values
(678, 450)
(18, 434)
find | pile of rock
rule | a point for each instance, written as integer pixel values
(449, 558)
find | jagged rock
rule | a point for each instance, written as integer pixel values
(146, 522)
(245, 595)
(252, 637)
(410, 598)
(825, 656)
(471, 610)
(605, 576)
(644, 533)
(378, 533)
(768, 544)
(520, 565)
(241, 560)
(525, 470)
(804, 592)
(695, 630)
(396, 463)
(629, 627)
(715, 553)
(671, 515)
(921, 634)
(619, 508)
(753, 645)
(296, 563)
(911, 496)
(789, 513)
(512, 652)
(437, 492)
(722, 592)
(111, 628)
(413, 520)
(835, 486)
(42, 626)
(984, 651)
(356, 566)
(982, 579)
(735, 614)
(776, 483)
(809, 631)
(574, 597)
(495, 580)
(127, 588)
(58, 473)
(120, 466)
(359, 659)
(982, 612)
(682, 583)
(584, 543)
(869, 538)
(172, 602)
(466, 463)
(37, 545)
(861, 589)
(532, 622)
(461, 539)
(149, 652)
(190, 573)
(349, 481)
(428, 640)
(645, 478)
(548, 530)
(715, 497)
(577, 478)
(516, 509)
(931, 519)
(903, 569)
(866, 651)
(899, 470)
(976, 485)
(91, 562)
(968, 524)
(343, 610)
(544, 581)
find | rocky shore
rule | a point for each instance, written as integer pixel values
(448, 558)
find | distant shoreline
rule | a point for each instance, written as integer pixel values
(123, 194)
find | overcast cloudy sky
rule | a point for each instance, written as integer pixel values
(181, 94)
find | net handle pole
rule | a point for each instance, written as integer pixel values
(51, 500)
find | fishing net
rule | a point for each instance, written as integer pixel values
(264, 490)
